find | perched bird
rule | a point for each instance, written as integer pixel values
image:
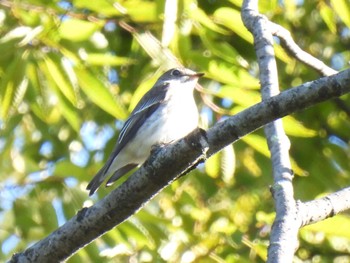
(165, 114)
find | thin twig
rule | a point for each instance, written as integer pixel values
(294, 50)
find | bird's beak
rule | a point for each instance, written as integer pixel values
(196, 75)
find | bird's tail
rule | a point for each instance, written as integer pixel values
(101, 175)
(120, 172)
(96, 181)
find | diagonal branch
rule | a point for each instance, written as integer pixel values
(294, 50)
(167, 163)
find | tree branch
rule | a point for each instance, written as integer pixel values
(325, 207)
(283, 239)
(167, 163)
(295, 51)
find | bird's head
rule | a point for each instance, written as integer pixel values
(179, 75)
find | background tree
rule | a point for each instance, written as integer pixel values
(68, 70)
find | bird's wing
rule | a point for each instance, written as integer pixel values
(146, 106)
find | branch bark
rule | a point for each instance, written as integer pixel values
(283, 239)
(290, 214)
(167, 163)
(320, 209)
(295, 51)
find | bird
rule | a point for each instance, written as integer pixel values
(165, 114)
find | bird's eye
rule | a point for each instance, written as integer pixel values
(176, 72)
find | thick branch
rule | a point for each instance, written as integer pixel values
(290, 101)
(167, 163)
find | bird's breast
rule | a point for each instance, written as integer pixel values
(179, 118)
(172, 121)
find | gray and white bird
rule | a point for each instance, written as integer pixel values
(165, 114)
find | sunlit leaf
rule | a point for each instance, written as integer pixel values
(335, 226)
(58, 76)
(99, 93)
(69, 112)
(239, 95)
(212, 166)
(103, 7)
(136, 9)
(228, 164)
(77, 30)
(297, 170)
(220, 49)
(199, 15)
(231, 18)
(328, 17)
(258, 248)
(258, 143)
(107, 59)
(342, 9)
(296, 128)
(37, 94)
(12, 83)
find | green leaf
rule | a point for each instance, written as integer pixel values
(36, 94)
(25, 213)
(220, 49)
(335, 226)
(222, 72)
(99, 59)
(140, 11)
(77, 30)
(239, 95)
(231, 18)
(99, 94)
(342, 9)
(212, 166)
(48, 215)
(297, 169)
(200, 16)
(69, 112)
(138, 233)
(12, 84)
(259, 248)
(328, 16)
(58, 76)
(258, 143)
(103, 7)
(63, 89)
(296, 128)
(281, 54)
(66, 168)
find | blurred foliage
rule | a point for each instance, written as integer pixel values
(69, 74)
